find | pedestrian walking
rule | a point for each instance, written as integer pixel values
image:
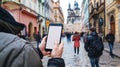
(34, 35)
(110, 38)
(76, 39)
(94, 47)
(38, 38)
(82, 33)
(85, 37)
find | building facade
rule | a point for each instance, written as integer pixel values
(51, 11)
(113, 18)
(58, 13)
(35, 14)
(41, 16)
(25, 12)
(85, 15)
(97, 15)
(73, 18)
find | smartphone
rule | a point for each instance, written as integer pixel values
(54, 34)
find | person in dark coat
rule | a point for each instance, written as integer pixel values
(85, 37)
(17, 52)
(38, 38)
(110, 38)
(76, 39)
(92, 53)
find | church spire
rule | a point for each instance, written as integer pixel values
(76, 5)
(69, 6)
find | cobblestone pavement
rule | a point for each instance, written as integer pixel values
(116, 48)
(82, 59)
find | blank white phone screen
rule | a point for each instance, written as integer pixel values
(54, 34)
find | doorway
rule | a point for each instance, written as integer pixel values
(112, 24)
(30, 30)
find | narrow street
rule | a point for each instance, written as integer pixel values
(82, 59)
(33, 19)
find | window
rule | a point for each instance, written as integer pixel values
(55, 11)
(94, 3)
(23, 1)
(55, 19)
(90, 9)
(97, 5)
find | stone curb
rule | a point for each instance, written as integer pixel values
(107, 50)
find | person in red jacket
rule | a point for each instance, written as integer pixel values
(76, 38)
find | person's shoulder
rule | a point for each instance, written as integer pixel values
(89, 37)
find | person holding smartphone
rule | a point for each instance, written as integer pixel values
(17, 52)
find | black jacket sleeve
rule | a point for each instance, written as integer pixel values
(87, 43)
(53, 62)
(102, 44)
(56, 62)
(106, 37)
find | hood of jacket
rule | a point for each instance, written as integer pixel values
(94, 34)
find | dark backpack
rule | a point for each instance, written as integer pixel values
(97, 44)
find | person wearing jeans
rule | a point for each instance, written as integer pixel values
(110, 38)
(94, 61)
(111, 48)
(93, 54)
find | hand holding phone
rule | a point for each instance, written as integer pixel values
(56, 52)
(54, 34)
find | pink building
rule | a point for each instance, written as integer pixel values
(23, 15)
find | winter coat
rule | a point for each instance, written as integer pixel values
(16, 52)
(85, 37)
(76, 39)
(38, 37)
(110, 38)
(88, 46)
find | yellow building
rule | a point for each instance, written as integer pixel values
(51, 10)
(96, 15)
(58, 14)
(113, 18)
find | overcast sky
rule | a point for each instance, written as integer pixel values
(64, 5)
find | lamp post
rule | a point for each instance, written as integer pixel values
(100, 25)
(104, 20)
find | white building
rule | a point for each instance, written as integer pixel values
(73, 19)
(85, 15)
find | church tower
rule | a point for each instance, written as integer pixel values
(76, 8)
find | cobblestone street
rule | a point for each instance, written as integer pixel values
(82, 59)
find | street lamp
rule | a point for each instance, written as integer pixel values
(100, 25)
(104, 18)
(101, 21)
